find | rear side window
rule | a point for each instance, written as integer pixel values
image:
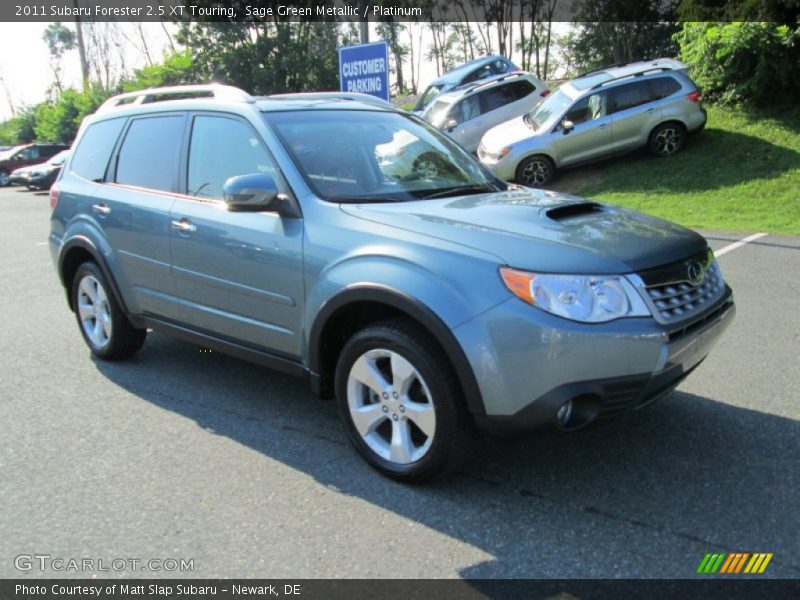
(149, 154)
(520, 89)
(663, 87)
(630, 95)
(222, 148)
(91, 156)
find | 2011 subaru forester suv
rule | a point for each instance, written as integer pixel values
(600, 114)
(427, 304)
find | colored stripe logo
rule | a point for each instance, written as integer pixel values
(734, 562)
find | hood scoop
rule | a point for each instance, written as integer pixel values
(572, 210)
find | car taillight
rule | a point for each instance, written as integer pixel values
(545, 93)
(54, 194)
(695, 97)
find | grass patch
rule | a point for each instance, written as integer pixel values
(742, 173)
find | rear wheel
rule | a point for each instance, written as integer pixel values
(667, 139)
(535, 171)
(400, 402)
(105, 328)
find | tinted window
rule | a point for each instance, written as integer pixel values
(94, 150)
(149, 154)
(663, 87)
(500, 66)
(587, 109)
(30, 153)
(221, 148)
(630, 95)
(520, 89)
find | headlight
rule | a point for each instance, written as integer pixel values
(586, 298)
(498, 155)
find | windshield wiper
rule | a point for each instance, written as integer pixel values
(459, 191)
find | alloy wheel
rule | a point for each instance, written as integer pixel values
(667, 141)
(94, 311)
(536, 172)
(390, 406)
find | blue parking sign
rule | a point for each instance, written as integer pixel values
(365, 68)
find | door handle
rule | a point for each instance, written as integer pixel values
(603, 126)
(101, 209)
(183, 226)
(650, 110)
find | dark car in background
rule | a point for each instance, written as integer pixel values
(43, 176)
(24, 156)
(474, 70)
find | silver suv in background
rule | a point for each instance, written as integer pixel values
(600, 114)
(468, 112)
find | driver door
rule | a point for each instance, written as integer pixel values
(239, 275)
(590, 137)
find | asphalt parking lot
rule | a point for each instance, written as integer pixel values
(185, 454)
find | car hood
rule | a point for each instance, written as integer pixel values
(542, 231)
(506, 134)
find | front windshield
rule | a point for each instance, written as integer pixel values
(9, 153)
(59, 158)
(429, 94)
(554, 104)
(365, 156)
(436, 112)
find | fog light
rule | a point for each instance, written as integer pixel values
(564, 414)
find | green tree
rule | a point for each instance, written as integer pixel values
(744, 62)
(177, 69)
(391, 31)
(59, 40)
(59, 121)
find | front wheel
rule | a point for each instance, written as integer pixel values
(400, 402)
(535, 171)
(4, 179)
(104, 326)
(667, 139)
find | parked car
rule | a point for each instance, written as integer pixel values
(20, 176)
(43, 176)
(474, 70)
(604, 113)
(24, 156)
(425, 304)
(468, 112)
(4, 148)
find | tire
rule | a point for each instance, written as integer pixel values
(419, 406)
(535, 171)
(104, 326)
(667, 139)
(4, 180)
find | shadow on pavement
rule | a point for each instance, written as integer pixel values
(644, 496)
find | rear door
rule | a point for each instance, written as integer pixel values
(634, 113)
(239, 274)
(133, 208)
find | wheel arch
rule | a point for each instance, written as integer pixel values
(360, 305)
(78, 250)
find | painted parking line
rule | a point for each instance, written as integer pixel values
(739, 244)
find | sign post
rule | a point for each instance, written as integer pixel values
(365, 68)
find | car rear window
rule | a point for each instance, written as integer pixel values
(149, 155)
(664, 86)
(94, 149)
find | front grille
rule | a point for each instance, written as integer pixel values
(676, 301)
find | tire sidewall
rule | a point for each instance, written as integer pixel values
(534, 158)
(92, 269)
(442, 398)
(681, 134)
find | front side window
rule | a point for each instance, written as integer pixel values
(221, 148)
(94, 149)
(467, 109)
(365, 156)
(630, 95)
(149, 154)
(587, 109)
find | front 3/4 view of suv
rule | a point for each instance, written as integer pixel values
(600, 114)
(429, 305)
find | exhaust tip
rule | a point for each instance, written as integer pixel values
(577, 412)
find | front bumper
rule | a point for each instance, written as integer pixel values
(529, 363)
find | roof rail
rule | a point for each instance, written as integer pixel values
(218, 91)
(474, 86)
(601, 69)
(635, 74)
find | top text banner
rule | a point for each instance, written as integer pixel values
(377, 10)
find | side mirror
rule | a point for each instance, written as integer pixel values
(257, 193)
(567, 126)
(450, 125)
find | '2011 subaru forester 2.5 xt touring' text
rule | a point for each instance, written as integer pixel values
(427, 304)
